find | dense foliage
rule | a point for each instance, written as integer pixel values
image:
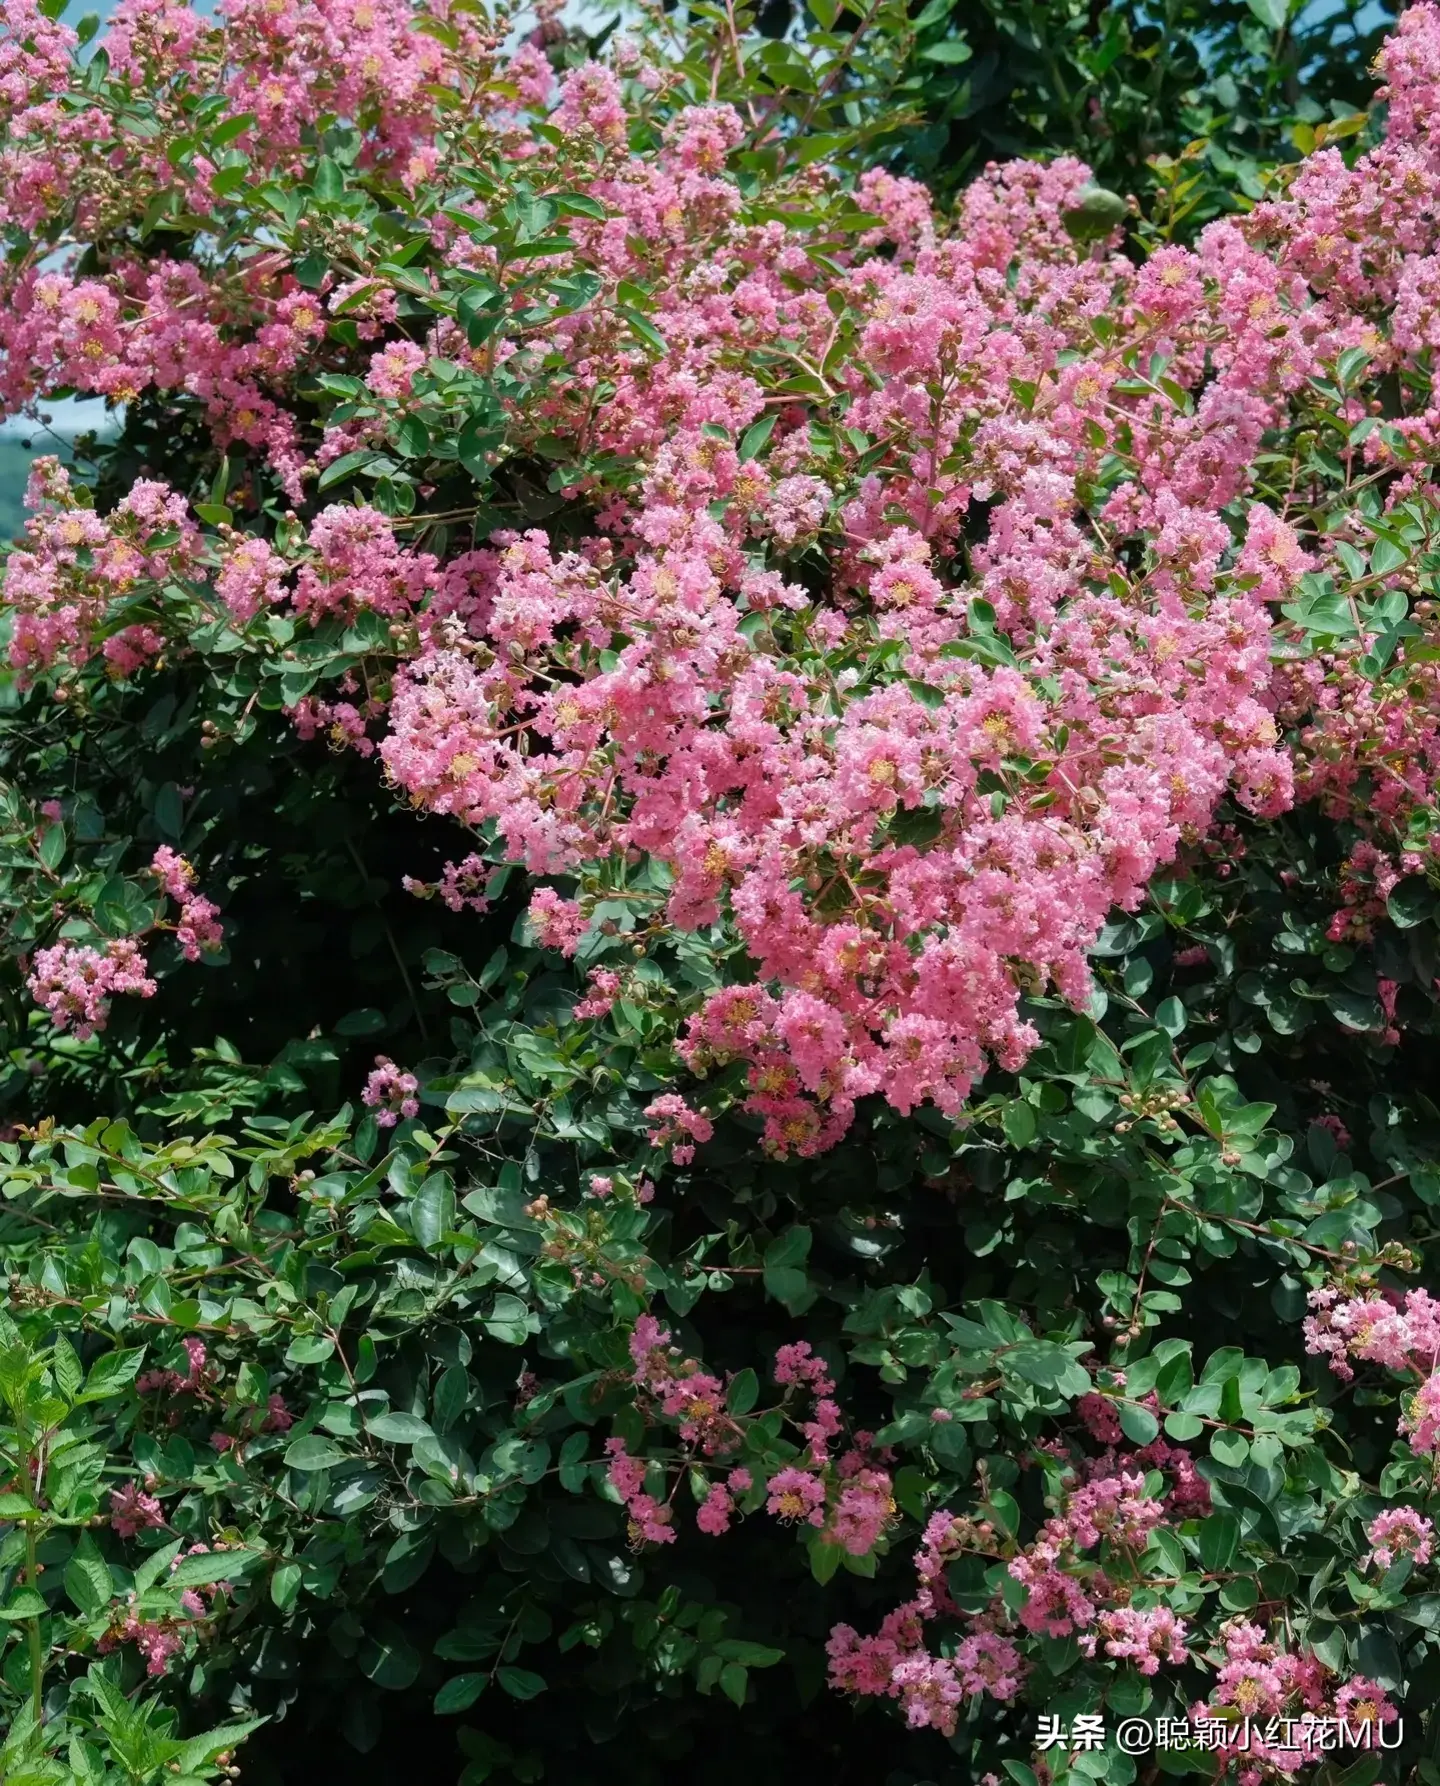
(1131, 87)
(722, 925)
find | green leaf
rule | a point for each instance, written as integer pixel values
(342, 467)
(329, 182)
(111, 1374)
(69, 1372)
(201, 1750)
(786, 1283)
(388, 1658)
(398, 1429)
(790, 1248)
(52, 846)
(1020, 1123)
(25, 1604)
(412, 438)
(951, 51)
(313, 1453)
(1041, 1362)
(1273, 13)
(734, 1682)
(824, 1559)
(755, 436)
(1219, 1539)
(1228, 1447)
(169, 808)
(285, 1585)
(1240, 1595)
(1005, 1510)
(644, 328)
(480, 314)
(88, 1581)
(574, 1473)
(519, 1683)
(508, 1321)
(156, 1565)
(579, 204)
(1138, 1424)
(432, 1213)
(452, 1394)
(1095, 213)
(460, 1693)
(211, 1566)
(365, 1022)
(1165, 1545)
(744, 1392)
(1410, 902)
(478, 440)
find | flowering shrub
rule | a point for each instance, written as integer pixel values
(873, 769)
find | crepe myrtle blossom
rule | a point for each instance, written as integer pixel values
(390, 1093)
(911, 797)
(1399, 1532)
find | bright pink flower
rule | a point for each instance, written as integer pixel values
(677, 1126)
(1399, 1532)
(559, 923)
(133, 1511)
(390, 1093)
(650, 1523)
(1146, 1638)
(864, 1508)
(75, 982)
(1361, 1702)
(713, 1516)
(796, 1495)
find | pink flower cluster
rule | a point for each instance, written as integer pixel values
(75, 982)
(650, 1523)
(896, 1663)
(157, 1640)
(1400, 1332)
(133, 1511)
(677, 1126)
(717, 1509)
(1147, 1638)
(1399, 1532)
(197, 929)
(463, 885)
(797, 1367)
(911, 791)
(600, 999)
(1260, 1680)
(559, 923)
(683, 1390)
(171, 1383)
(1062, 1598)
(1066, 1594)
(390, 1093)
(233, 344)
(74, 574)
(1188, 1492)
(848, 1500)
